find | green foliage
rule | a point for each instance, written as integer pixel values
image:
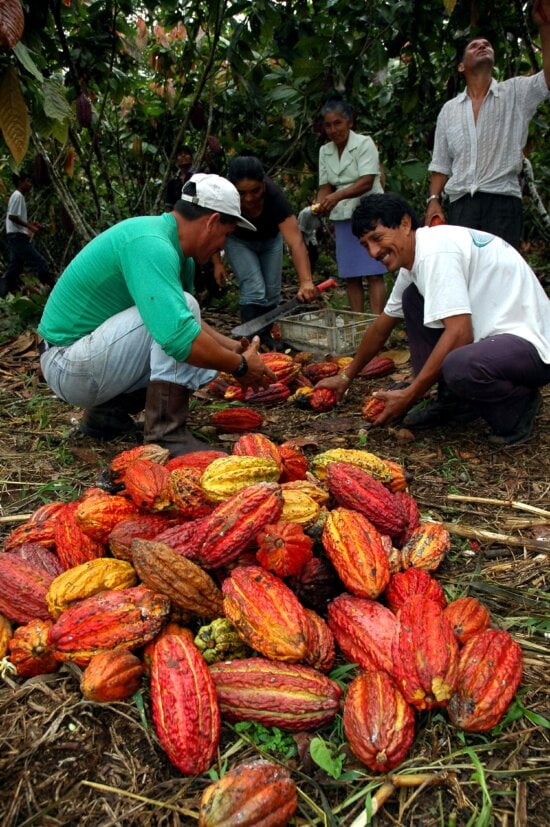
(268, 739)
(327, 756)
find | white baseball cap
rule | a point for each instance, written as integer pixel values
(218, 194)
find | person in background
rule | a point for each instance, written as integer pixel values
(309, 225)
(21, 250)
(121, 329)
(477, 320)
(479, 139)
(256, 258)
(184, 163)
(348, 169)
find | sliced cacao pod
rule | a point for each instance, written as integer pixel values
(186, 584)
(363, 631)
(256, 792)
(283, 548)
(274, 394)
(234, 393)
(111, 676)
(89, 578)
(282, 365)
(425, 654)
(468, 617)
(184, 705)
(30, 652)
(405, 584)
(228, 475)
(368, 462)
(426, 547)
(122, 619)
(238, 420)
(355, 549)
(378, 722)
(290, 696)
(233, 525)
(355, 489)
(489, 672)
(266, 613)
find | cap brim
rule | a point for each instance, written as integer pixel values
(242, 222)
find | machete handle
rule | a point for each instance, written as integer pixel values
(326, 285)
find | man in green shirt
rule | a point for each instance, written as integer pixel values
(121, 328)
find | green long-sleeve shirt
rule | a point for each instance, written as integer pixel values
(136, 262)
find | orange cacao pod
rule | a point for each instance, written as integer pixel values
(184, 704)
(468, 617)
(322, 400)
(400, 476)
(237, 420)
(294, 462)
(489, 673)
(111, 676)
(186, 584)
(234, 393)
(149, 451)
(378, 722)
(321, 652)
(363, 630)
(195, 459)
(425, 654)
(185, 492)
(146, 483)
(30, 651)
(290, 696)
(142, 527)
(257, 445)
(355, 550)
(98, 515)
(372, 408)
(320, 370)
(266, 613)
(73, 545)
(356, 489)
(378, 366)
(274, 394)
(426, 547)
(23, 588)
(122, 619)
(234, 524)
(39, 528)
(404, 584)
(283, 548)
(256, 792)
(6, 633)
(87, 579)
(283, 366)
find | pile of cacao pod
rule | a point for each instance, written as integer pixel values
(296, 379)
(233, 582)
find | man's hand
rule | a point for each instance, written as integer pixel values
(397, 403)
(307, 292)
(258, 374)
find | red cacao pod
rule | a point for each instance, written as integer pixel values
(290, 696)
(98, 515)
(322, 400)
(274, 394)
(363, 630)
(111, 676)
(355, 549)
(147, 484)
(426, 547)
(378, 366)
(372, 408)
(320, 370)
(237, 420)
(39, 528)
(468, 617)
(256, 792)
(283, 366)
(257, 445)
(23, 589)
(234, 393)
(144, 527)
(72, 544)
(411, 511)
(185, 492)
(195, 459)
(425, 654)
(316, 584)
(83, 110)
(378, 722)
(39, 556)
(404, 584)
(283, 548)
(184, 704)
(30, 651)
(321, 652)
(149, 451)
(354, 488)
(294, 462)
(489, 673)
(266, 613)
(185, 539)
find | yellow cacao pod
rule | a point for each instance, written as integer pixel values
(89, 578)
(6, 633)
(228, 475)
(368, 462)
(299, 507)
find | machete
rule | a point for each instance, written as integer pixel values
(255, 325)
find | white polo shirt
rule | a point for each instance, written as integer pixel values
(16, 206)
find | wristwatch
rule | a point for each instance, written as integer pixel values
(240, 371)
(433, 198)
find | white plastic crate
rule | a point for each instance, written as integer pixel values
(337, 332)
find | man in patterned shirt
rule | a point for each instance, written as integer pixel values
(479, 140)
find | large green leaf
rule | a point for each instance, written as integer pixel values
(55, 103)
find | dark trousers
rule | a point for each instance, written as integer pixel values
(22, 252)
(498, 375)
(500, 215)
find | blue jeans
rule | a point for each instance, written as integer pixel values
(120, 356)
(258, 268)
(21, 252)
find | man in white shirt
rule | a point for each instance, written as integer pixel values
(21, 250)
(477, 319)
(479, 139)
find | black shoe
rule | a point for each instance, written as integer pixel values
(439, 412)
(524, 428)
(105, 423)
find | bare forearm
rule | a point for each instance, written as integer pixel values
(220, 339)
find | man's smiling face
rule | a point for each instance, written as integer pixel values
(391, 246)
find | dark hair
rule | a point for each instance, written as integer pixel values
(18, 178)
(184, 148)
(386, 208)
(192, 212)
(245, 166)
(338, 104)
